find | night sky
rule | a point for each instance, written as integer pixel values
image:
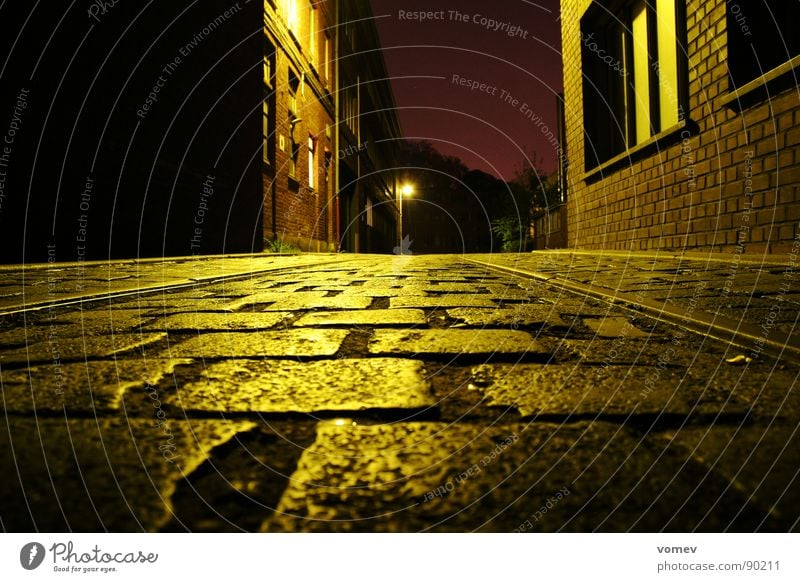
(521, 57)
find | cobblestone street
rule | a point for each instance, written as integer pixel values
(553, 391)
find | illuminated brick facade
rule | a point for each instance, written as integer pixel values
(298, 124)
(319, 128)
(719, 167)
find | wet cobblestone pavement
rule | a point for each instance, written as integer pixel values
(539, 392)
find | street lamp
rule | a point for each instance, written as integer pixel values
(406, 190)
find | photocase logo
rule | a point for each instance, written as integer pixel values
(404, 248)
(31, 555)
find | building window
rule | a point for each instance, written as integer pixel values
(293, 120)
(327, 165)
(369, 212)
(327, 64)
(761, 37)
(350, 107)
(312, 34)
(294, 156)
(268, 109)
(291, 16)
(312, 164)
(634, 83)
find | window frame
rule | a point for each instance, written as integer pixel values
(612, 115)
(746, 88)
(312, 166)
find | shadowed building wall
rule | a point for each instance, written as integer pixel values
(135, 129)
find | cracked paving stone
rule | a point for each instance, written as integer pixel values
(283, 343)
(442, 301)
(104, 474)
(272, 301)
(454, 341)
(437, 477)
(614, 327)
(93, 386)
(241, 482)
(376, 317)
(218, 321)
(526, 315)
(593, 390)
(57, 347)
(328, 385)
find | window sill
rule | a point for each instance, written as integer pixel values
(642, 150)
(757, 89)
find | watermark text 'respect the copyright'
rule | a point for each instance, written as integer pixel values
(508, 28)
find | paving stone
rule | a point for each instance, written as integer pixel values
(381, 291)
(551, 389)
(268, 297)
(543, 315)
(437, 477)
(442, 302)
(370, 317)
(510, 292)
(760, 461)
(466, 287)
(40, 326)
(94, 386)
(299, 300)
(99, 474)
(99, 321)
(614, 327)
(454, 341)
(327, 385)
(218, 321)
(57, 347)
(283, 343)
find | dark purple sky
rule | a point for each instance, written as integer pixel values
(522, 57)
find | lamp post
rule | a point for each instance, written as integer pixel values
(406, 190)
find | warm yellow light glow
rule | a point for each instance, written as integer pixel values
(641, 71)
(407, 190)
(667, 63)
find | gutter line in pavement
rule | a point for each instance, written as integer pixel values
(737, 333)
(174, 285)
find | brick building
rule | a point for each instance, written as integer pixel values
(368, 132)
(328, 125)
(682, 124)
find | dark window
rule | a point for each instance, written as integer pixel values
(762, 35)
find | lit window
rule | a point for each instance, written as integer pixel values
(312, 34)
(290, 15)
(634, 75)
(268, 107)
(327, 61)
(311, 163)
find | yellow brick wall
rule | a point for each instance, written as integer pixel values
(690, 195)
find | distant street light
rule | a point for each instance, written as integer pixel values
(406, 190)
